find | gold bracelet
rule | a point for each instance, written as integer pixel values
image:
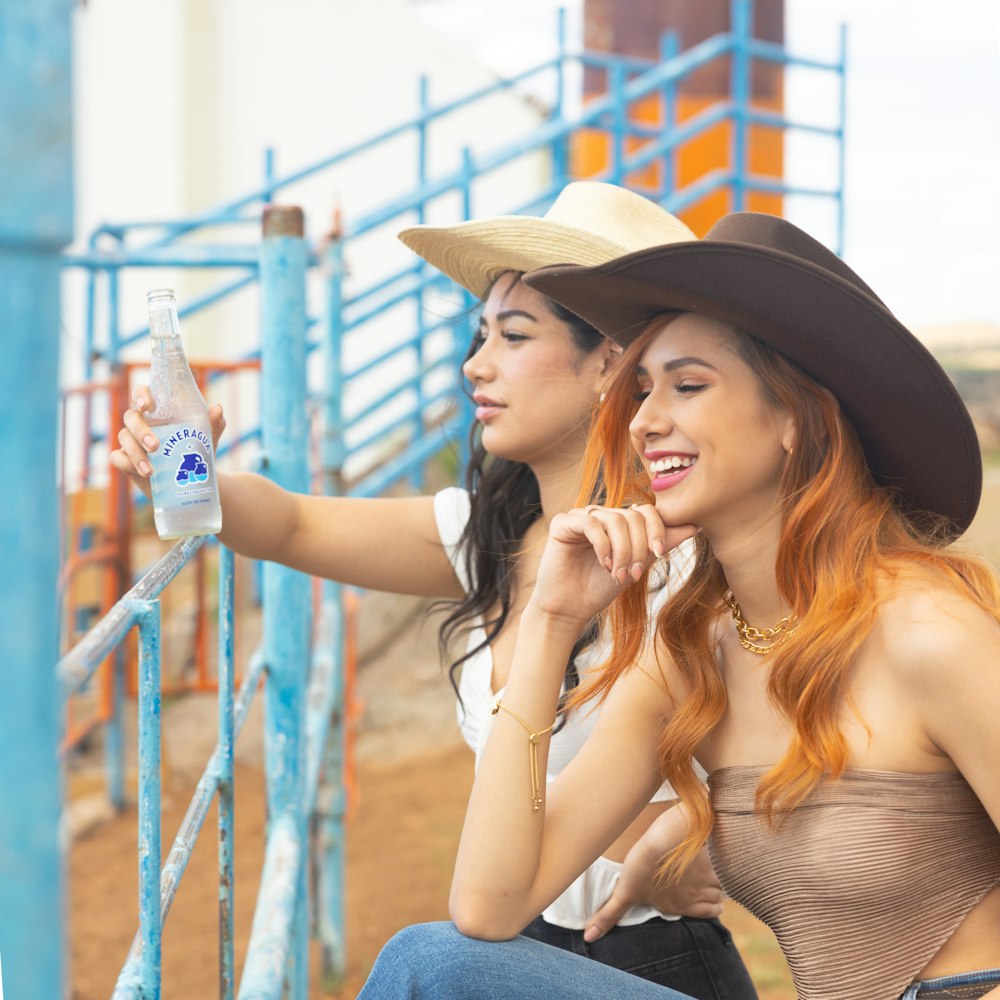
(533, 738)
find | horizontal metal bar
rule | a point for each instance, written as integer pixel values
(216, 217)
(423, 448)
(410, 271)
(769, 185)
(410, 383)
(408, 295)
(388, 355)
(692, 127)
(195, 305)
(772, 120)
(773, 52)
(359, 447)
(176, 255)
(703, 187)
(270, 936)
(77, 666)
(605, 60)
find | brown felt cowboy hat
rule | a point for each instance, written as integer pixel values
(766, 276)
(590, 222)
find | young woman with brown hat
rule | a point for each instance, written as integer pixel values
(830, 661)
(535, 371)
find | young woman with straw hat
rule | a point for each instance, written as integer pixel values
(830, 660)
(535, 372)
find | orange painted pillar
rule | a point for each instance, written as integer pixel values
(635, 28)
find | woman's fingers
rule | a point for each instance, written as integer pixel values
(131, 461)
(218, 423)
(136, 460)
(620, 540)
(662, 537)
(608, 915)
(135, 421)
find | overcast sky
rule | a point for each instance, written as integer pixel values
(923, 134)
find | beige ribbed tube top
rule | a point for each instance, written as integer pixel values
(864, 881)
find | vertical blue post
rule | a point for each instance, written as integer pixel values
(424, 104)
(225, 772)
(616, 85)
(669, 48)
(330, 857)
(114, 742)
(560, 145)
(114, 315)
(842, 132)
(268, 174)
(468, 173)
(150, 926)
(468, 170)
(334, 446)
(741, 21)
(36, 221)
(417, 473)
(287, 611)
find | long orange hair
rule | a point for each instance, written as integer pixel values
(841, 534)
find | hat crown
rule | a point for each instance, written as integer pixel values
(773, 233)
(616, 215)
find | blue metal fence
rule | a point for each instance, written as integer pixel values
(301, 665)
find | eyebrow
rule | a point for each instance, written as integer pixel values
(507, 314)
(675, 363)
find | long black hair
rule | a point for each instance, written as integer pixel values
(505, 501)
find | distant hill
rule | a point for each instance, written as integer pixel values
(947, 337)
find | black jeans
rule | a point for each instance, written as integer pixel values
(696, 957)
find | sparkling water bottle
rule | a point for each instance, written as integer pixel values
(185, 490)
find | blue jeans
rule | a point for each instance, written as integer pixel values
(697, 957)
(966, 985)
(435, 962)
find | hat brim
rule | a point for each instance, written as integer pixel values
(916, 432)
(476, 253)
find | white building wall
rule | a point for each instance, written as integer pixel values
(176, 101)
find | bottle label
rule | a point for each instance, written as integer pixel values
(182, 466)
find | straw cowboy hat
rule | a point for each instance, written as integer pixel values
(766, 276)
(589, 223)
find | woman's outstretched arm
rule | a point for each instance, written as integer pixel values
(383, 544)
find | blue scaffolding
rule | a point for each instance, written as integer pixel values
(300, 660)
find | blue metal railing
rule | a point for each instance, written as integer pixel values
(304, 681)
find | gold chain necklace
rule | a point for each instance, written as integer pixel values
(750, 637)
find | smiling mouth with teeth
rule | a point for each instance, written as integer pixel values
(669, 466)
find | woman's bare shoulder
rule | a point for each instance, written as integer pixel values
(929, 627)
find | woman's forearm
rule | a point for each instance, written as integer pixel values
(494, 892)
(389, 544)
(258, 517)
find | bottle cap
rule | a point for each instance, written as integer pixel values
(159, 295)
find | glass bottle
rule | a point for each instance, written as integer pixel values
(185, 489)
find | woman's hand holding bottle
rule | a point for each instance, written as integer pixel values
(137, 439)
